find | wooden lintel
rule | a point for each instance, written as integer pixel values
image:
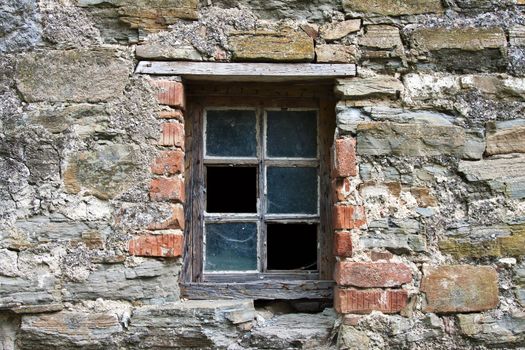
(247, 71)
(260, 290)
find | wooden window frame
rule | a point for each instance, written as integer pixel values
(257, 285)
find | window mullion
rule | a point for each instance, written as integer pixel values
(261, 124)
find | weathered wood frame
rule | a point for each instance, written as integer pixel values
(284, 285)
(247, 71)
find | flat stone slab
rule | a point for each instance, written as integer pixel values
(506, 137)
(460, 288)
(72, 76)
(504, 174)
(279, 46)
(377, 86)
(378, 138)
(393, 7)
(190, 324)
(68, 330)
(468, 39)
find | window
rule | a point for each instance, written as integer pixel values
(259, 191)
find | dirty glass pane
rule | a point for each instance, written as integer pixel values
(292, 134)
(231, 133)
(231, 247)
(292, 190)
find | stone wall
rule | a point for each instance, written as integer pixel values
(429, 172)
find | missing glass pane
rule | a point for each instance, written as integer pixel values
(292, 190)
(231, 189)
(231, 247)
(292, 134)
(231, 133)
(292, 247)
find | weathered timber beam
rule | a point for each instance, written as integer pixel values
(269, 290)
(247, 71)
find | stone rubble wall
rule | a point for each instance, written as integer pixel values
(429, 172)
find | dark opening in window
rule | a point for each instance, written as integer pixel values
(292, 246)
(231, 189)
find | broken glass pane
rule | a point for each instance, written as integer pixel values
(231, 247)
(292, 134)
(231, 133)
(292, 190)
(231, 189)
(291, 246)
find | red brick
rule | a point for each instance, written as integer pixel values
(167, 189)
(173, 114)
(341, 189)
(348, 217)
(375, 256)
(168, 163)
(176, 221)
(163, 245)
(365, 301)
(172, 135)
(371, 275)
(345, 158)
(343, 244)
(170, 93)
(460, 288)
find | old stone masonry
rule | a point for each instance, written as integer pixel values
(407, 194)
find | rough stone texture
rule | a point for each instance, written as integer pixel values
(393, 7)
(350, 338)
(333, 53)
(517, 36)
(160, 52)
(467, 39)
(430, 73)
(478, 242)
(146, 15)
(20, 27)
(376, 86)
(307, 331)
(106, 172)
(382, 48)
(416, 140)
(68, 330)
(151, 281)
(318, 11)
(285, 45)
(519, 279)
(474, 49)
(72, 76)
(9, 325)
(507, 329)
(339, 30)
(506, 137)
(503, 174)
(395, 236)
(190, 324)
(460, 288)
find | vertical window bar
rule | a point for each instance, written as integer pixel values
(261, 115)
